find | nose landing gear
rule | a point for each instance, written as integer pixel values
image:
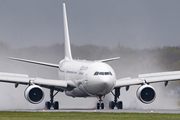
(100, 104)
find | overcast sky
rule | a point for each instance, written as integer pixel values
(133, 23)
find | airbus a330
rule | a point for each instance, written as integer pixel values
(81, 78)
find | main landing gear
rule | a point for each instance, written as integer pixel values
(100, 104)
(116, 103)
(51, 103)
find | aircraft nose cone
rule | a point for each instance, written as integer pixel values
(106, 84)
(102, 85)
(105, 81)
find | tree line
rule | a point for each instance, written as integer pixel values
(131, 63)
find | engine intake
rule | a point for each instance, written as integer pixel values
(146, 94)
(34, 94)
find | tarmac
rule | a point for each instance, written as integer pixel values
(170, 111)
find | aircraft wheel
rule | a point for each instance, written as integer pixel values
(120, 105)
(56, 105)
(98, 106)
(111, 105)
(102, 105)
(48, 105)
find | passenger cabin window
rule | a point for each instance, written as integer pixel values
(102, 73)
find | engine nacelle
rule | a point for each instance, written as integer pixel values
(146, 94)
(34, 94)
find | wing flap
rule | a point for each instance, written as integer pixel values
(11, 79)
(159, 74)
(128, 82)
(24, 79)
(149, 78)
(161, 78)
(50, 82)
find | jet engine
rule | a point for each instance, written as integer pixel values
(146, 94)
(34, 94)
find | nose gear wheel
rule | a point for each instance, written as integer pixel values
(100, 105)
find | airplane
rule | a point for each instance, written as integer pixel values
(81, 78)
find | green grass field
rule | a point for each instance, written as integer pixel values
(87, 116)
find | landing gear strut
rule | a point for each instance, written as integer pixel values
(51, 103)
(116, 103)
(100, 104)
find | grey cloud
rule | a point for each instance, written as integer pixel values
(138, 24)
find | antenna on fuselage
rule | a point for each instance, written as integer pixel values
(67, 47)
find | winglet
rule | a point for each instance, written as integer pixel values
(67, 46)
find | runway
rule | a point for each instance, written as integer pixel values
(170, 111)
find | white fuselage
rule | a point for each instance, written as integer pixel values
(92, 78)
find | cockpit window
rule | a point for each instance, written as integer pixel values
(96, 73)
(102, 73)
(107, 73)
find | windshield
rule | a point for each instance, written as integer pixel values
(102, 73)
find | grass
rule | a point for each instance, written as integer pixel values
(87, 116)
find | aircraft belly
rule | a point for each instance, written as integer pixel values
(76, 93)
(80, 91)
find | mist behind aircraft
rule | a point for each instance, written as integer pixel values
(135, 24)
(131, 63)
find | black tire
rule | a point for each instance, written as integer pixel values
(48, 105)
(56, 105)
(120, 105)
(111, 105)
(98, 106)
(102, 105)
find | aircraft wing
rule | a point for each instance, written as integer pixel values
(24, 79)
(149, 78)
